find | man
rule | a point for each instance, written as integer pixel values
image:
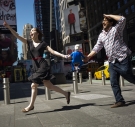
(76, 57)
(117, 52)
(71, 21)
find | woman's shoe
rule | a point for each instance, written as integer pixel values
(68, 99)
(24, 110)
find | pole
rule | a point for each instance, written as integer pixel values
(121, 81)
(6, 90)
(75, 84)
(88, 23)
(47, 94)
(47, 91)
(50, 21)
(103, 78)
(80, 77)
(90, 77)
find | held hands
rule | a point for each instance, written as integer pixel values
(65, 56)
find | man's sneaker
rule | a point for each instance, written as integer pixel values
(118, 104)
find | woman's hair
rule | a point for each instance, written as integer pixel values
(40, 33)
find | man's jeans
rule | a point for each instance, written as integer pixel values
(123, 68)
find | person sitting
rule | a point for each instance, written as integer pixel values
(77, 58)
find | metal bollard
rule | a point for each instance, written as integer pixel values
(47, 94)
(80, 77)
(121, 81)
(6, 90)
(90, 77)
(75, 84)
(103, 78)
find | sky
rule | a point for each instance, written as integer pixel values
(24, 15)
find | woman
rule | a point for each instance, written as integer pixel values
(41, 70)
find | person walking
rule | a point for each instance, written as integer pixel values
(41, 69)
(117, 52)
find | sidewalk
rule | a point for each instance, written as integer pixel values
(89, 108)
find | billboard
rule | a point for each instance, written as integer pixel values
(7, 13)
(83, 23)
(71, 18)
(82, 16)
(71, 48)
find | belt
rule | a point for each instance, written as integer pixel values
(36, 58)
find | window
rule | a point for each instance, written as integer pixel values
(125, 1)
(118, 5)
(132, 8)
(130, 23)
(126, 11)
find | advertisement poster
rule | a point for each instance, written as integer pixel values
(83, 23)
(72, 23)
(8, 45)
(71, 48)
(7, 13)
(82, 16)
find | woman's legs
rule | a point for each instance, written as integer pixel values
(49, 85)
(33, 96)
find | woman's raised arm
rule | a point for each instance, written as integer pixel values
(24, 40)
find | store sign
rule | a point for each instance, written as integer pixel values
(7, 13)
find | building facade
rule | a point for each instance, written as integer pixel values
(26, 34)
(42, 17)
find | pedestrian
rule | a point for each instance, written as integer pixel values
(41, 69)
(118, 54)
(77, 58)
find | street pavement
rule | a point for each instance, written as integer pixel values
(89, 108)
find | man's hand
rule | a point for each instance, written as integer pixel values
(106, 16)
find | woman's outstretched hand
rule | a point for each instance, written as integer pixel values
(5, 24)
